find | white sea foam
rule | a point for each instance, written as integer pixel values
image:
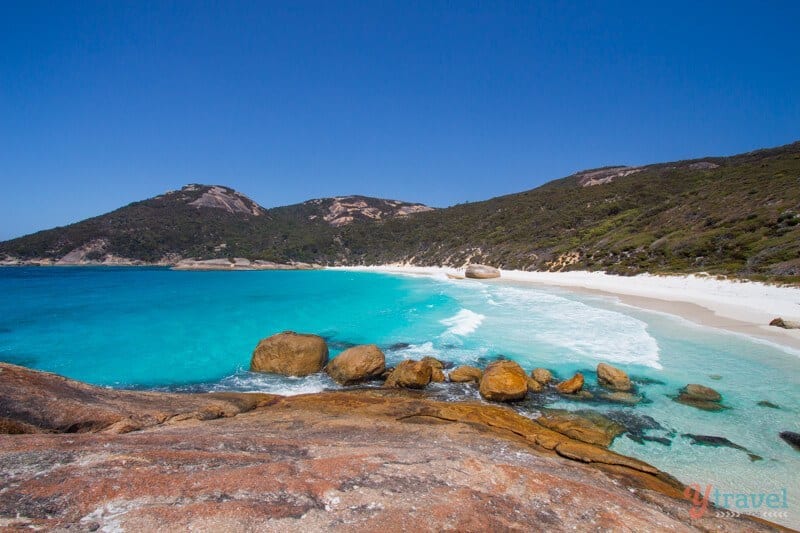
(463, 323)
(589, 331)
(414, 351)
(533, 323)
(274, 384)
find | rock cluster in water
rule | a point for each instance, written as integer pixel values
(295, 354)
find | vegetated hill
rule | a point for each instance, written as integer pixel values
(736, 215)
(203, 221)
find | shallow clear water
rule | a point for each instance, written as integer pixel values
(155, 328)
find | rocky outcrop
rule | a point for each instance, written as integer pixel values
(504, 381)
(357, 364)
(290, 354)
(571, 386)
(315, 463)
(613, 378)
(481, 272)
(410, 374)
(239, 263)
(217, 197)
(590, 178)
(465, 374)
(701, 397)
(703, 165)
(40, 402)
(344, 210)
(785, 324)
(96, 248)
(542, 375)
(585, 426)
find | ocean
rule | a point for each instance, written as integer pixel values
(152, 328)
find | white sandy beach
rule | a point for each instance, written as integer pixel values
(741, 307)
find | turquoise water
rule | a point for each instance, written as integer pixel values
(155, 328)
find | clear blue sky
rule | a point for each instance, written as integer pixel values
(103, 103)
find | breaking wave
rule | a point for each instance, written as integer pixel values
(463, 323)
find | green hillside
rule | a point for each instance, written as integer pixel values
(740, 217)
(737, 215)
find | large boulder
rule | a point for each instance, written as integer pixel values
(701, 392)
(290, 354)
(504, 381)
(481, 272)
(437, 369)
(533, 385)
(700, 397)
(571, 386)
(410, 374)
(785, 324)
(357, 364)
(613, 378)
(466, 374)
(542, 375)
(435, 363)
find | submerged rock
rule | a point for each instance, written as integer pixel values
(765, 403)
(542, 375)
(410, 374)
(710, 440)
(792, 438)
(572, 385)
(290, 354)
(613, 378)
(638, 425)
(621, 397)
(466, 374)
(481, 272)
(646, 380)
(504, 381)
(700, 397)
(357, 364)
(660, 440)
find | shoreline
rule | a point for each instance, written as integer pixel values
(739, 307)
